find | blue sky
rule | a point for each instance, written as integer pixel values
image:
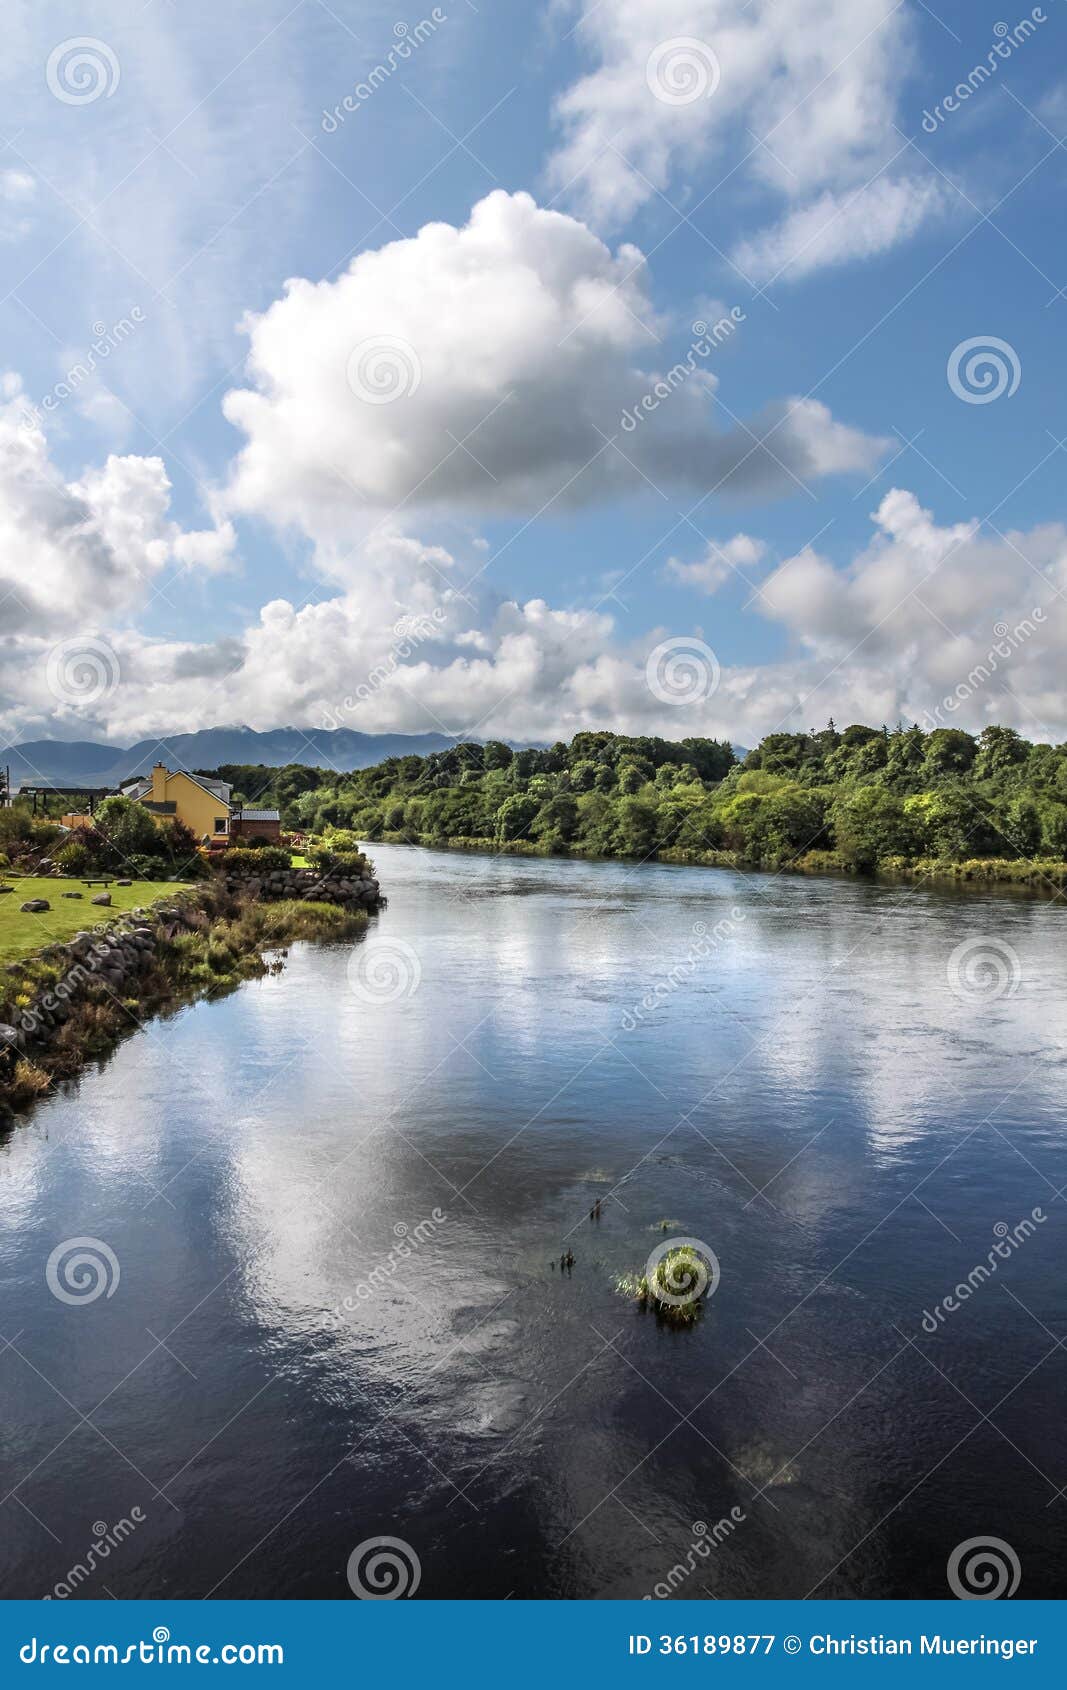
(166, 170)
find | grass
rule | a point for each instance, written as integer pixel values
(679, 1274)
(299, 862)
(231, 949)
(21, 935)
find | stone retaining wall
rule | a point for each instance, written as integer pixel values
(100, 964)
(325, 886)
(106, 963)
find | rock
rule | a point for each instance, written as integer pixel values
(101, 898)
(8, 1035)
(35, 906)
(73, 894)
(7, 888)
(124, 883)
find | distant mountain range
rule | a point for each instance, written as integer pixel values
(81, 762)
(53, 762)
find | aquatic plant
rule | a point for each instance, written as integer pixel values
(674, 1283)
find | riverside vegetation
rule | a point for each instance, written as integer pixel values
(72, 999)
(991, 807)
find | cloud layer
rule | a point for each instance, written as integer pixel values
(799, 99)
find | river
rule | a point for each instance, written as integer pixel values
(327, 1309)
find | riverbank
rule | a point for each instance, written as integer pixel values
(1039, 875)
(72, 1000)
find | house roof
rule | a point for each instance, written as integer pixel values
(138, 788)
(256, 816)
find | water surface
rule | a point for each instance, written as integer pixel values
(786, 1069)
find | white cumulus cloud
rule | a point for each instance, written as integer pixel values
(486, 369)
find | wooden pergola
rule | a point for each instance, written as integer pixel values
(90, 794)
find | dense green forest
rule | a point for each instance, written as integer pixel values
(861, 799)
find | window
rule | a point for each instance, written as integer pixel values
(220, 824)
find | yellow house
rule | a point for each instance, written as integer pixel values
(202, 804)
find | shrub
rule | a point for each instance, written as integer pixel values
(680, 1273)
(261, 861)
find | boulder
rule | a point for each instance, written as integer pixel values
(101, 898)
(35, 906)
(72, 894)
(124, 883)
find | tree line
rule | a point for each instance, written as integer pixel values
(861, 798)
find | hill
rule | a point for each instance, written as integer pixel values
(56, 762)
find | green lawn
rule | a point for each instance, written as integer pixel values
(20, 934)
(299, 862)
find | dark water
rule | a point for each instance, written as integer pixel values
(810, 1095)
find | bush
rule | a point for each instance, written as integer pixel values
(675, 1288)
(261, 861)
(73, 858)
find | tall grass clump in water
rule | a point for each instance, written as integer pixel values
(673, 1284)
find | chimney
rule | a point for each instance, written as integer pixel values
(159, 784)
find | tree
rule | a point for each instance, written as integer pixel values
(515, 815)
(556, 822)
(949, 752)
(870, 824)
(497, 755)
(129, 828)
